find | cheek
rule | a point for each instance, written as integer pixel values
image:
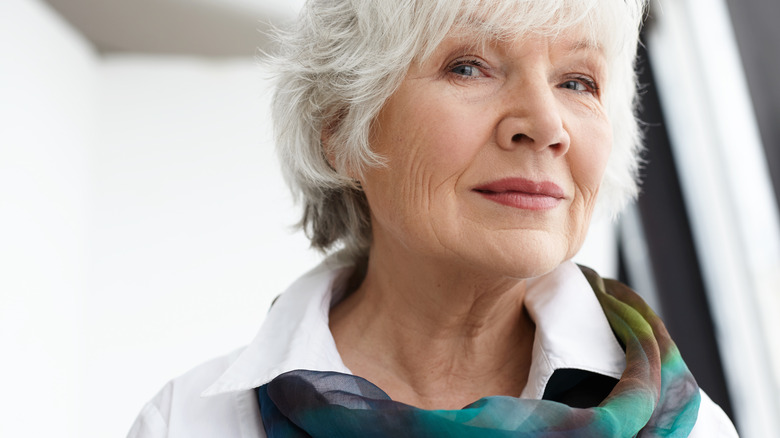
(589, 161)
(587, 164)
(401, 190)
(426, 148)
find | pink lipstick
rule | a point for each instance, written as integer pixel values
(523, 193)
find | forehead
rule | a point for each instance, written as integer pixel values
(567, 40)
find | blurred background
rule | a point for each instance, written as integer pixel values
(145, 228)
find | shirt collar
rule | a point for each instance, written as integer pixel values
(295, 335)
(571, 332)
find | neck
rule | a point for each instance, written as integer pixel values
(434, 334)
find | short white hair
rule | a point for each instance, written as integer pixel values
(344, 58)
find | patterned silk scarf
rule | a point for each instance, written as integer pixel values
(655, 397)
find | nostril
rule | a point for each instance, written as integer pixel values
(517, 138)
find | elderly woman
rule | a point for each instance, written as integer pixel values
(449, 155)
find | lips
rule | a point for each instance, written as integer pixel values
(523, 193)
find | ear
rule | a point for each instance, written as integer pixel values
(329, 129)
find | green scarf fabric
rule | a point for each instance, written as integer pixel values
(655, 397)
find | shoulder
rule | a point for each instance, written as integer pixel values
(712, 422)
(179, 410)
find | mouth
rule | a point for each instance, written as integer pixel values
(523, 193)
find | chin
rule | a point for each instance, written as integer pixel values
(529, 257)
(537, 265)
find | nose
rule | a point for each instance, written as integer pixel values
(532, 118)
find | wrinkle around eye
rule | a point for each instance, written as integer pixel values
(584, 102)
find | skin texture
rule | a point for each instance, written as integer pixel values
(439, 320)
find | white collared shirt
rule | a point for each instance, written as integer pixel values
(217, 399)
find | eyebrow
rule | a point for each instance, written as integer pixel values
(572, 45)
(585, 45)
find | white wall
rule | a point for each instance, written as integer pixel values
(191, 235)
(46, 121)
(144, 226)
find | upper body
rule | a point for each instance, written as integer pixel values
(453, 152)
(218, 398)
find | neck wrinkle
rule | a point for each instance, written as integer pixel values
(435, 334)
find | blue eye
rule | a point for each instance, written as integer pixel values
(465, 70)
(468, 68)
(583, 85)
(574, 85)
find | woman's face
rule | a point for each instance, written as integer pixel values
(495, 153)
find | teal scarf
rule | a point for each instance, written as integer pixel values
(655, 397)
